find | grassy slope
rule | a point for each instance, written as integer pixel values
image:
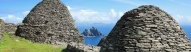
(12, 43)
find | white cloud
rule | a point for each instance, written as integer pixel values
(183, 20)
(95, 17)
(82, 16)
(120, 14)
(25, 13)
(69, 8)
(113, 13)
(12, 19)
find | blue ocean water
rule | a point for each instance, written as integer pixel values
(92, 40)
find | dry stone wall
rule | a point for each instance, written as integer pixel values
(6, 27)
(146, 29)
(49, 22)
(10, 28)
(78, 47)
(2, 25)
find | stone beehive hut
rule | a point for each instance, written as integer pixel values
(146, 29)
(49, 22)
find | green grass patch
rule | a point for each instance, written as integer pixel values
(12, 43)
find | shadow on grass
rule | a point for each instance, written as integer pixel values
(63, 50)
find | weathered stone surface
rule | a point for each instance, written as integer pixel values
(49, 22)
(146, 29)
(10, 28)
(2, 26)
(6, 27)
(78, 47)
(101, 41)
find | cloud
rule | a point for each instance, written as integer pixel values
(95, 17)
(183, 20)
(25, 13)
(82, 16)
(12, 19)
(113, 13)
(69, 8)
(120, 14)
(86, 16)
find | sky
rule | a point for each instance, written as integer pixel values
(99, 12)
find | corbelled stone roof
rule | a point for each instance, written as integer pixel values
(146, 29)
(49, 22)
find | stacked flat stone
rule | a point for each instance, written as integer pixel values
(79, 47)
(146, 29)
(2, 26)
(49, 22)
(10, 28)
(7, 27)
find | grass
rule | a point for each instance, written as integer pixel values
(12, 43)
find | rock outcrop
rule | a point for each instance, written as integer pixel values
(78, 47)
(146, 29)
(91, 32)
(49, 22)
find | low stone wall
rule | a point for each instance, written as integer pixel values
(2, 25)
(79, 47)
(10, 28)
(6, 27)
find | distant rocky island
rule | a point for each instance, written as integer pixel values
(92, 32)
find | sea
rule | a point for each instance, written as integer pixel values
(92, 40)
